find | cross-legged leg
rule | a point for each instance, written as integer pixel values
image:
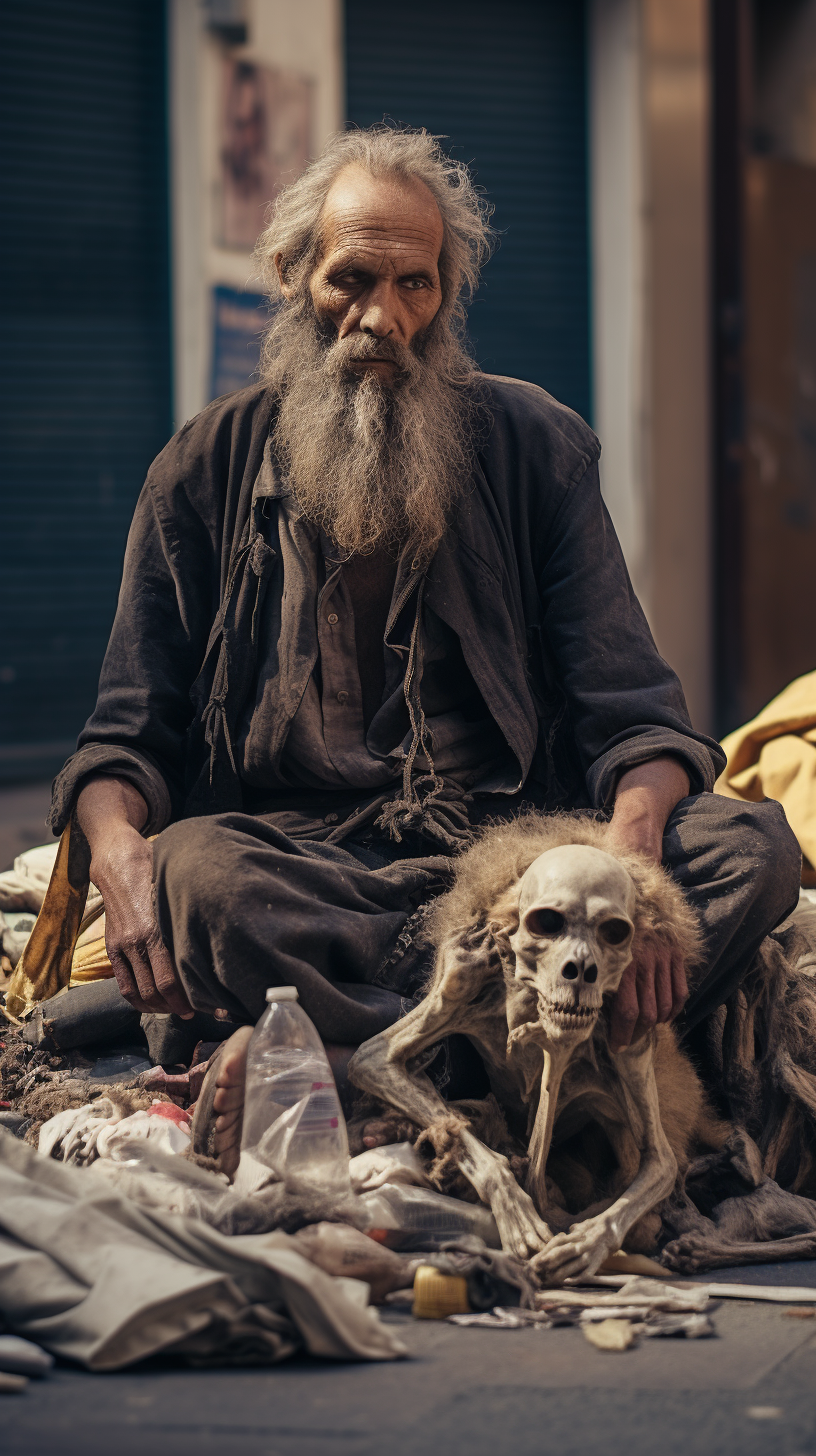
(739, 865)
(243, 907)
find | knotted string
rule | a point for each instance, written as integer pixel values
(428, 806)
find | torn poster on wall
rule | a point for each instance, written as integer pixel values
(239, 320)
(266, 134)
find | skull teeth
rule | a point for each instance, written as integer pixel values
(570, 1013)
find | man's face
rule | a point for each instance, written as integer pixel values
(378, 276)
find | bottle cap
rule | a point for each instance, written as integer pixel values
(438, 1295)
(282, 993)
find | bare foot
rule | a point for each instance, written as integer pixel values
(228, 1101)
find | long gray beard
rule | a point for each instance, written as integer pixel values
(373, 463)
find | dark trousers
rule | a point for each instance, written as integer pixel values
(242, 907)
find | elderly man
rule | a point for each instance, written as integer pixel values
(368, 603)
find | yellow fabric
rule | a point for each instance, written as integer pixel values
(90, 963)
(774, 757)
(45, 965)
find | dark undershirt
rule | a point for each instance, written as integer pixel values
(370, 582)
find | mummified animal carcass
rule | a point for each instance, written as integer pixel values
(542, 920)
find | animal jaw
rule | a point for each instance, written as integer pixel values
(561, 1021)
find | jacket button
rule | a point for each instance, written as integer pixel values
(331, 819)
(342, 697)
(332, 619)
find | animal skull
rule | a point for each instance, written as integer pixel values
(574, 937)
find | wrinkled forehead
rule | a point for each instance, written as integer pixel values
(576, 876)
(363, 211)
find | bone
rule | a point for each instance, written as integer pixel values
(539, 928)
(637, 1292)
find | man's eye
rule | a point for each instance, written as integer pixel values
(415, 283)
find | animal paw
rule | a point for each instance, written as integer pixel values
(581, 1250)
(692, 1252)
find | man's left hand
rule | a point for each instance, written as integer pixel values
(653, 988)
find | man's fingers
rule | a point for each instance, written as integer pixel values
(679, 983)
(624, 1010)
(663, 986)
(125, 979)
(646, 994)
(136, 956)
(166, 978)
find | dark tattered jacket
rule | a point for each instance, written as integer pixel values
(529, 574)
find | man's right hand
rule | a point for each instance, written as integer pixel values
(111, 812)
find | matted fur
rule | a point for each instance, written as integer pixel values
(738, 1195)
(484, 894)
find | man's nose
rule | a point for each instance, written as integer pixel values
(378, 316)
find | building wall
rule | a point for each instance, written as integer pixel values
(303, 38)
(649, 98)
(506, 88)
(84, 346)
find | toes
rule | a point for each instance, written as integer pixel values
(228, 1161)
(526, 1243)
(228, 1122)
(232, 1068)
(228, 1099)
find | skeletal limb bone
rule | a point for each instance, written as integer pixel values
(583, 1248)
(556, 1060)
(381, 1066)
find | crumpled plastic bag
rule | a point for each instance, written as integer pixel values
(342, 1251)
(636, 1292)
(396, 1163)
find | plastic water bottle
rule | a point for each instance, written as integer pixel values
(293, 1121)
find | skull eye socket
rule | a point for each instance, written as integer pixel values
(544, 922)
(615, 932)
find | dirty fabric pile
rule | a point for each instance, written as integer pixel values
(96, 1278)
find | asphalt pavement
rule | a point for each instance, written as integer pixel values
(461, 1392)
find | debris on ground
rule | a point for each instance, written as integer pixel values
(438, 1295)
(23, 1357)
(610, 1334)
(12, 1384)
(123, 1101)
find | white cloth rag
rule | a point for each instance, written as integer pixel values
(92, 1276)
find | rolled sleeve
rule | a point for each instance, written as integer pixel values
(125, 763)
(643, 744)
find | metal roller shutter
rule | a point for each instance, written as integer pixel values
(506, 83)
(85, 347)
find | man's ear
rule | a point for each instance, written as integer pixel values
(285, 287)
